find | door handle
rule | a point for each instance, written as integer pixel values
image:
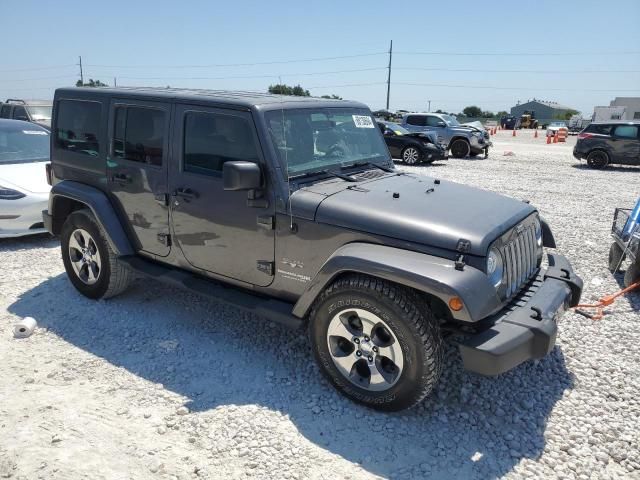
(121, 178)
(186, 194)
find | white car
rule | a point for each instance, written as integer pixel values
(553, 128)
(24, 191)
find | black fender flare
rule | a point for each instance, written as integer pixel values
(426, 273)
(99, 204)
(548, 239)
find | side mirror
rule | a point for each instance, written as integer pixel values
(389, 132)
(240, 175)
(441, 124)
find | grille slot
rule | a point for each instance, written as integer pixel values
(520, 259)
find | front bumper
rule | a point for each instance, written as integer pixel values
(527, 328)
(22, 217)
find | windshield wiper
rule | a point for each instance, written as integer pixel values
(348, 178)
(368, 164)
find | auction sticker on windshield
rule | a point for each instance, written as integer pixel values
(362, 121)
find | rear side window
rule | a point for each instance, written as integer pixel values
(77, 126)
(139, 134)
(599, 129)
(212, 139)
(5, 111)
(417, 120)
(20, 113)
(626, 131)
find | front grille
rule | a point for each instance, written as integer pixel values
(520, 259)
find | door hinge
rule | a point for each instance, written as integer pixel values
(266, 267)
(165, 239)
(266, 221)
(162, 199)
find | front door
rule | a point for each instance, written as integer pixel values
(626, 144)
(219, 231)
(137, 170)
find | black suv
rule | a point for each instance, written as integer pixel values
(605, 143)
(35, 111)
(291, 208)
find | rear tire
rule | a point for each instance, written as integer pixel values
(376, 342)
(597, 159)
(632, 275)
(460, 148)
(616, 256)
(92, 266)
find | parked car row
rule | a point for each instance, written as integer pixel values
(35, 111)
(412, 147)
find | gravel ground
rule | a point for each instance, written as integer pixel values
(165, 384)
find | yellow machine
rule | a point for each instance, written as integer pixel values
(528, 120)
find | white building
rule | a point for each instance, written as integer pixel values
(621, 108)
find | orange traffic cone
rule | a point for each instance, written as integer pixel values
(555, 138)
(548, 139)
(535, 135)
(514, 133)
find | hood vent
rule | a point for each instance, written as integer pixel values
(369, 174)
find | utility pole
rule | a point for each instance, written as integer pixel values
(389, 76)
(429, 109)
(81, 75)
(115, 82)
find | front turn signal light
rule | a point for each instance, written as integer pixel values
(456, 304)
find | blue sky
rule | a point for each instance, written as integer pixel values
(176, 43)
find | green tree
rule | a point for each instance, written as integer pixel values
(501, 114)
(487, 114)
(91, 83)
(332, 97)
(282, 89)
(567, 115)
(472, 111)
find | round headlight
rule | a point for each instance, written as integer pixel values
(494, 267)
(538, 233)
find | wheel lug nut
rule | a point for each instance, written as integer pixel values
(366, 339)
(370, 358)
(358, 353)
(356, 340)
(375, 349)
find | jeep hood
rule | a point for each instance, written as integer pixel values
(424, 212)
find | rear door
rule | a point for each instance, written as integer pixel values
(222, 232)
(137, 170)
(415, 123)
(626, 144)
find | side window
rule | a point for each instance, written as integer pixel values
(636, 115)
(77, 126)
(433, 121)
(138, 134)
(5, 111)
(599, 129)
(20, 113)
(211, 139)
(626, 131)
(417, 120)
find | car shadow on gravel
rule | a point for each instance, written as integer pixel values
(216, 356)
(40, 240)
(609, 168)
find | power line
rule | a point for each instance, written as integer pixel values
(516, 88)
(523, 54)
(513, 71)
(218, 65)
(53, 67)
(257, 76)
(36, 78)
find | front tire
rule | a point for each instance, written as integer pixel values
(376, 342)
(460, 148)
(616, 256)
(597, 159)
(411, 155)
(632, 275)
(91, 264)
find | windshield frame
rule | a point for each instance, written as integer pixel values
(382, 157)
(451, 121)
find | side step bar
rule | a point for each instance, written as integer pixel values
(272, 309)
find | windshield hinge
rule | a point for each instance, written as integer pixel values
(460, 263)
(266, 266)
(165, 239)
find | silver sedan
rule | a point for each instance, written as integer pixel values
(24, 191)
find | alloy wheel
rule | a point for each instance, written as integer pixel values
(364, 349)
(410, 155)
(84, 256)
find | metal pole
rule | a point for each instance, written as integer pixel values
(81, 75)
(429, 109)
(115, 82)
(389, 76)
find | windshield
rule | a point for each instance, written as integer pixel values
(558, 124)
(39, 112)
(310, 140)
(22, 146)
(452, 122)
(397, 129)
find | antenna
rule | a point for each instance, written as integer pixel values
(286, 162)
(389, 76)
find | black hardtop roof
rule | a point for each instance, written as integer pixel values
(263, 101)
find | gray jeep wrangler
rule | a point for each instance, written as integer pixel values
(291, 208)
